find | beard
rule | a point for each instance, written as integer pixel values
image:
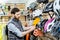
(16, 17)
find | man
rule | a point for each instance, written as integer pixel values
(15, 29)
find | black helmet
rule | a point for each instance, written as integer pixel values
(42, 1)
(48, 8)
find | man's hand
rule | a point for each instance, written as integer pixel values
(33, 27)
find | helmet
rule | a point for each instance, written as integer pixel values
(56, 7)
(48, 7)
(33, 6)
(42, 1)
(56, 29)
(37, 13)
(50, 25)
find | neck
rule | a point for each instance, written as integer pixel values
(15, 18)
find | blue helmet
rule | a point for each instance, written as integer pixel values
(33, 6)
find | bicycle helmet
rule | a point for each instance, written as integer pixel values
(56, 7)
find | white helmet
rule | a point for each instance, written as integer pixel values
(37, 13)
(56, 7)
(50, 25)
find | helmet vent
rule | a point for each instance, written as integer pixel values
(59, 2)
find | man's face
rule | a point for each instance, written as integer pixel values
(45, 16)
(17, 15)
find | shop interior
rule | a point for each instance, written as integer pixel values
(25, 7)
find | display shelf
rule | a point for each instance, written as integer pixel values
(4, 18)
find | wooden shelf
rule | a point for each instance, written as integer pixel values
(20, 5)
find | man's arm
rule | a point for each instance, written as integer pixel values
(27, 28)
(14, 29)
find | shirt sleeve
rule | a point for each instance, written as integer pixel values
(14, 29)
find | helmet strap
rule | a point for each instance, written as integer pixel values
(50, 15)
